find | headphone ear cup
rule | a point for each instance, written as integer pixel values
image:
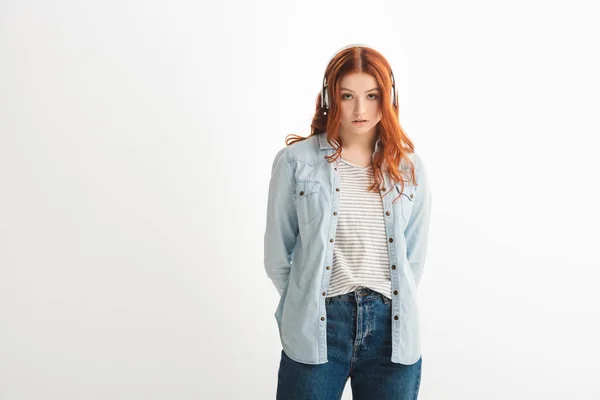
(394, 93)
(324, 98)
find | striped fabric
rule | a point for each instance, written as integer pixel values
(360, 254)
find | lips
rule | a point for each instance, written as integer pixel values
(359, 120)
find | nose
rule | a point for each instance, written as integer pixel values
(360, 109)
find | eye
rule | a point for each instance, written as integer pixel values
(375, 96)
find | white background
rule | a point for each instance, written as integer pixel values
(136, 142)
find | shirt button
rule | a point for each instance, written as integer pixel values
(391, 240)
(323, 318)
(396, 317)
(328, 267)
(387, 213)
(324, 293)
(337, 189)
(411, 195)
(334, 213)
(383, 189)
(331, 240)
(301, 193)
(393, 266)
(395, 292)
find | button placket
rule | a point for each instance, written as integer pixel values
(333, 228)
(389, 227)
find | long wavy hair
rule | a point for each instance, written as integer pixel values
(395, 143)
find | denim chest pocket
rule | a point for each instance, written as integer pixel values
(406, 200)
(307, 200)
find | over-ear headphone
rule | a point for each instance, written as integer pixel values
(324, 91)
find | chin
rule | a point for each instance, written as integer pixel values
(361, 129)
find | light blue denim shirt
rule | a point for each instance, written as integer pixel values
(302, 214)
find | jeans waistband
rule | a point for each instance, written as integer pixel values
(361, 294)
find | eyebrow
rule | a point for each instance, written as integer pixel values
(370, 90)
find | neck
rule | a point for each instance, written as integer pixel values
(359, 142)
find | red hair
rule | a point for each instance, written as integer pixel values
(395, 143)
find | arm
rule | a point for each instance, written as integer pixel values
(417, 229)
(282, 223)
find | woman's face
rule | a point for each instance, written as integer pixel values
(360, 98)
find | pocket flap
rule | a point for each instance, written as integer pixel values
(409, 191)
(304, 188)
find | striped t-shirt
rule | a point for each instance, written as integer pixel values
(360, 253)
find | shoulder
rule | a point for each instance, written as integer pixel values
(421, 174)
(415, 159)
(305, 150)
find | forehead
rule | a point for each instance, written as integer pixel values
(358, 80)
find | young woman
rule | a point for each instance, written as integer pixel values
(346, 236)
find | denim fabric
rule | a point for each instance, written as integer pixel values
(302, 214)
(359, 345)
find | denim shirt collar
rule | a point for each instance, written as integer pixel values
(324, 144)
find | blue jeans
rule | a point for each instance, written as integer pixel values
(359, 346)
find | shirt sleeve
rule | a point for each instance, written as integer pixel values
(417, 229)
(282, 222)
